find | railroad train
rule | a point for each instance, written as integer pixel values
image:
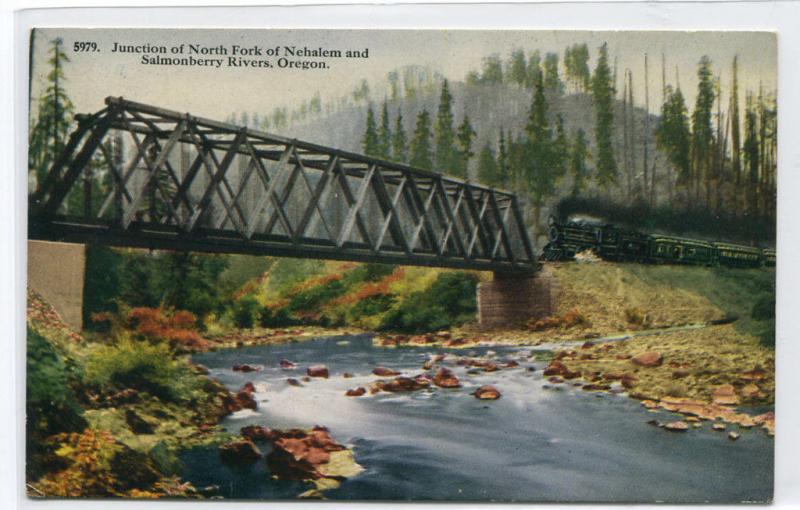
(613, 243)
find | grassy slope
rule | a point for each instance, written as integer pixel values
(608, 294)
(611, 295)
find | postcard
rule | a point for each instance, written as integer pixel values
(401, 265)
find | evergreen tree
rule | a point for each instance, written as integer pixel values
(552, 81)
(421, 150)
(384, 134)
(473, 78)
(751, 155)
(603, 95)
(736, 159)
(518, 159)
(370, 143)
(361, 93)
(576, 67)
(399, 140)
(702, 131)
(54, 116)
(673, 135)
(465, 136)
(534, 71)
(445, 157)
(577, 162)
(492, 70)
(560, 149)
(488, 173)
(517, 70)
(540, 167)
(394, 84)
(502, 161)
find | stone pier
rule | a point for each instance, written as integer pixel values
(56, 272)
(512, 300)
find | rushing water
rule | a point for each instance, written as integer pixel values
(539, 442)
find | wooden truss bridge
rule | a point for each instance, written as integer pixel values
(141, 176)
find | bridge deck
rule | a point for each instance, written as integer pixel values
(137, 175)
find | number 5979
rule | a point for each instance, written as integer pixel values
(83, 46)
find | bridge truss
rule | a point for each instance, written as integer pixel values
(141, 176)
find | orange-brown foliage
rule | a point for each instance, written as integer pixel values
(569, 319)
(177, 328)
(88, 473)
(314, 282)
(369, 289)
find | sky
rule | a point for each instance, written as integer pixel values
(216, 93)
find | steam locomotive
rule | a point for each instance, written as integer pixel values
(617, 244)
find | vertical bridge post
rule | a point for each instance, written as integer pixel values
(512, 299)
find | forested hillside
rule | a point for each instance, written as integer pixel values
(562, 134)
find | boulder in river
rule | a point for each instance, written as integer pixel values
(648, 359)
(287, 365)
(245, 399)
(400, 384)
(384, 372)
(733, 436)
(244, 367)
(718, 426)
(444, 378)
(317, 371)
(596, 387)
(676, 426)
(240, 452)
(487, 392)
(554, 368)
(298, 455)
(356, 392)
(291, 381)
(255, 432)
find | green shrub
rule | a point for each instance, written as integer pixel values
(449, 301)
(312, 298)
(51, 405)
(372, 305)
(279, 318)
(246, 311)
(139, 365)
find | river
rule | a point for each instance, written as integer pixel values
(539, 442)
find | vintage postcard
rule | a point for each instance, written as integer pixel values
(427, 265)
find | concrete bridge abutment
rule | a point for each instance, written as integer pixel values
(56, 271)
(511, 300)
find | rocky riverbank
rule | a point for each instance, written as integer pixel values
(112, 419)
